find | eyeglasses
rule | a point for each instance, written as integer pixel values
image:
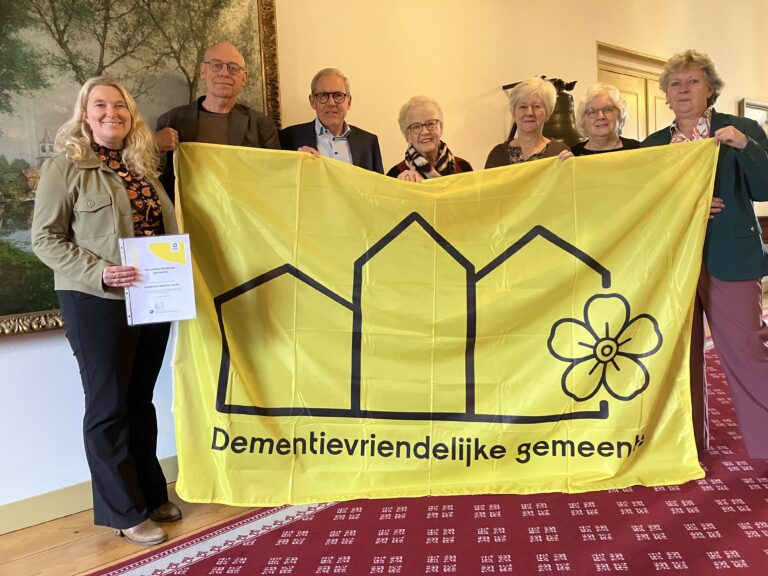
(338, 97)
(607, 111)
(232, 67)
(430, 125)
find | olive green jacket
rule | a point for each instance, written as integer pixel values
(733, 249)
(81, 209)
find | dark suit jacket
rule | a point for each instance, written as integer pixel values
(247, 127)
(733, 249)
(363, 145)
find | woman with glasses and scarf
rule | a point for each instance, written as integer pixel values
(427, 156)
(531, 103)
(600, 116)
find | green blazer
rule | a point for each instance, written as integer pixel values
(81, 210)
(733, 249)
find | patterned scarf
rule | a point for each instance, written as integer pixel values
(445, 163)
(147, 212)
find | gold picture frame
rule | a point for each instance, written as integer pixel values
(156, 54)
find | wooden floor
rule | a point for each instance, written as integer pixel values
(73, 546)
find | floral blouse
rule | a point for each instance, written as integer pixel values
(147, 212)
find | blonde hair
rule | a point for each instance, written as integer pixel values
(693, 60)
(416, 102)
(593, 92)
(139, 150)
(544, 89)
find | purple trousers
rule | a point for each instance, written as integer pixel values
(734, 315)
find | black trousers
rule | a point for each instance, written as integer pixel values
(119, 365)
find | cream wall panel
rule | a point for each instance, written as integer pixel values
(461, 52)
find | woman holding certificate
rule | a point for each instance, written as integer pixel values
(101, 187)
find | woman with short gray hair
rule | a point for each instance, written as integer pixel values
(600, 116)
(427, 156)
(729, 289)
(531, 103)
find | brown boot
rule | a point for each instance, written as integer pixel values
(167, 512)
(145, 534)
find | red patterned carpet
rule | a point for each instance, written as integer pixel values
(718, 525)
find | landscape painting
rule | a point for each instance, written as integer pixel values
(48, 48)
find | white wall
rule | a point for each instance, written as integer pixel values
(457, 51)
(41, 413)
(461, 52)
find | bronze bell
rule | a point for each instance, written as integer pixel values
(562, 124)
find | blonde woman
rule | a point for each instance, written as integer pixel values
(531, 103)
(100, 187)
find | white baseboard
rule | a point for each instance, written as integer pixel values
(60, 503)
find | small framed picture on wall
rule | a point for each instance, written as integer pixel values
(756, 110)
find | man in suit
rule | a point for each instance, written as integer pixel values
(216, 117)
(329, 134)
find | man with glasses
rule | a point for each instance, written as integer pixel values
(329, 135)
(216, 117)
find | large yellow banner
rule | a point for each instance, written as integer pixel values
(516, 330)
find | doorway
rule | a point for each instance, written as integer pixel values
(636, 75)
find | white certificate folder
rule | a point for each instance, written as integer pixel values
(164, 291)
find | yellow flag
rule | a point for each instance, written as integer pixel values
(516, 330)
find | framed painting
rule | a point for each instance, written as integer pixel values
(756, 110)
(48, 48)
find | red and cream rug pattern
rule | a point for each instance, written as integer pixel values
(718, 525)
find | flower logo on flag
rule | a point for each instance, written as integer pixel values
(604, 349)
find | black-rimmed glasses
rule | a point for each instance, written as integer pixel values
(322, 97)
(430, 125)
(232, 67)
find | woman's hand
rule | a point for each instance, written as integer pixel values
(716, 206)
(732, 137)
(119, 276)
(410, 176)
(564, 155)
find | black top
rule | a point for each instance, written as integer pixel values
(627, 144)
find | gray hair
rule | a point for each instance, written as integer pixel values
(416, 102)
(593, 92)
(693, 60)
(330, 72)
(534, 85)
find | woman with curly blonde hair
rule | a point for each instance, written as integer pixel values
(100, 188)
(139, 151)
